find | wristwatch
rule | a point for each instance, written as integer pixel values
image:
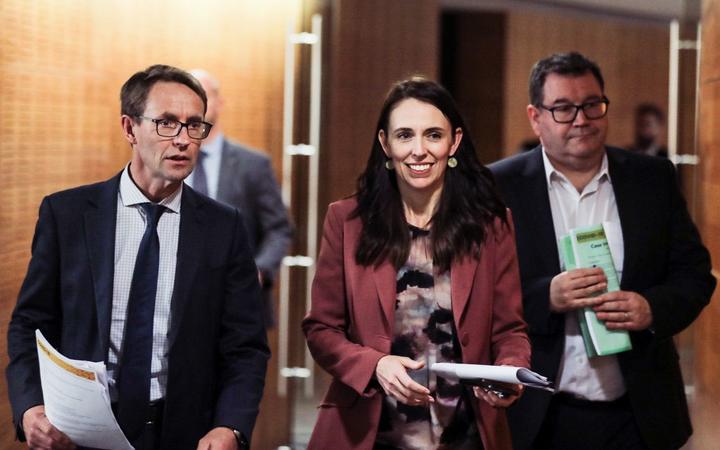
(243, 443)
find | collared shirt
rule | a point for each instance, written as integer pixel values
(598, 378)
(129, 229)
(211, 164)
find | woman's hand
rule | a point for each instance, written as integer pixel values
(391, 372)
(494, 400)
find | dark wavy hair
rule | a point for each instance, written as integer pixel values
(468, 204)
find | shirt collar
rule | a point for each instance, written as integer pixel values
(552, 173)
(213, 149)
(131, 195)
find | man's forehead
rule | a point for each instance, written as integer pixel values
(566, 86)
(174, 97)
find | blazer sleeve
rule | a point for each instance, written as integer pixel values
(242, 343)
(689, 283)
(326, 326)
(510, 344)
(37, 307)
(276, 229)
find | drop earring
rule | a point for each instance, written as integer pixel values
(452, 162)
(389, 165)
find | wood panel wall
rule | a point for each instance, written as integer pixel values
(633, 57)
(372, 43)
(62, 64)
(705, 407)
(473, 70)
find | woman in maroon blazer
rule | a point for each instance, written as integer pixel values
(419, 266)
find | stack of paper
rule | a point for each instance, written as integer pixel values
(481, 374)
(585, 248)
(77, 400)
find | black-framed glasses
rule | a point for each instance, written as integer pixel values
(566, 113)
(196, 129)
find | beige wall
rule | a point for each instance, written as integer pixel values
(632, 55)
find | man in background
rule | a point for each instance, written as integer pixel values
(649, 130)
(634, 399)
(244, 179)
(153, 279)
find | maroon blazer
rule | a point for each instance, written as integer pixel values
(350, 327)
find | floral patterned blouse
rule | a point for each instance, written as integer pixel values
(425, 331)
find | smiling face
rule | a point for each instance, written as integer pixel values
(419, 142)
(581, 143)
(159, 164)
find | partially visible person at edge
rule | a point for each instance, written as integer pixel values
(417, 267)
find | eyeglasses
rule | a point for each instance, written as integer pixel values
(593, 110)
(196, 129)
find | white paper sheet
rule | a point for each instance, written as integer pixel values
(77, 400)
(503, 374)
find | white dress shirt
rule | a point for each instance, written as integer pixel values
(599, 378)
(211, 164)
(129, 229)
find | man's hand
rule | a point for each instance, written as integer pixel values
(624, 310)
(494, 400)
(41, 434)
(219, 438)
(391, 372)
(574, 289)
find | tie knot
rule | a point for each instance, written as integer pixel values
(153, 212)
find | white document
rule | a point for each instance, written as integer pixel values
(481, 374)
(77, 400)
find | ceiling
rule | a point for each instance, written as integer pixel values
(655, 10)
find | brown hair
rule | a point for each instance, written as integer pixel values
(133, 94)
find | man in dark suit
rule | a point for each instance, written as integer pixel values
(243, 178)
(153, 279)
(634, 399)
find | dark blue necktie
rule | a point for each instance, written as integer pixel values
(200, 183)
(133, 383)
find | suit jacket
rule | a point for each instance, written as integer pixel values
(350, 327)
(247, 183)
(665, 262)
(217, 347)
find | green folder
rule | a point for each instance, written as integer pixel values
(584, 248)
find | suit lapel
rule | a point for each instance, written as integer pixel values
(191, 244)
(385, 277)
(537, 214)
(462, 277)
(100, 224)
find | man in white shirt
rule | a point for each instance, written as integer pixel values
(157, 281)
(635, 399)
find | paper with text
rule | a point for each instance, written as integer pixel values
(584, 248)
(77, 400)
